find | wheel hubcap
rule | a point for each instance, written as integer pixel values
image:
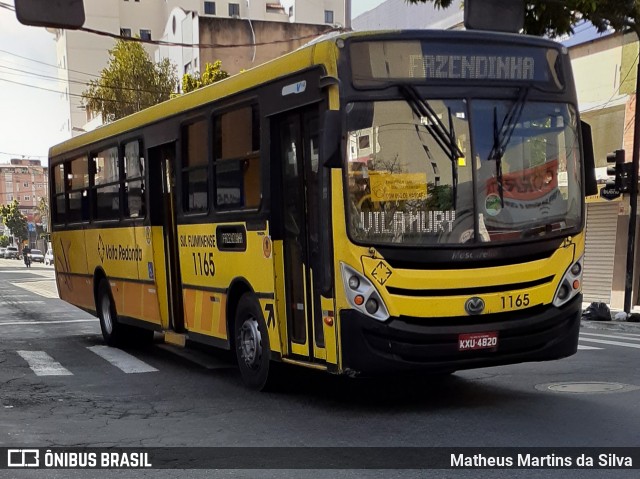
(106, 315)
(250, 343)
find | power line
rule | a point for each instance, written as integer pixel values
(21, 155)
(79, 82)
(70, 94)
(617, 90)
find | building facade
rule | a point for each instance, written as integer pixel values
(26, 182)
(240, 44)
(82, 55)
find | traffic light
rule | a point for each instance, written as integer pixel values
(621, 171)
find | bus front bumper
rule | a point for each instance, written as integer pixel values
(432, 344)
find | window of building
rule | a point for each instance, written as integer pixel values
(125, 32)
(195, 168)
(134, 180)
(234, 9)
(26, 185)
(106, 181)
(210, 8)
(18, 197)
(10, 197)
(328, 16)
(145, 34)
(27, 198)
(237, 158)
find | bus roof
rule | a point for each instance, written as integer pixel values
(321, 51)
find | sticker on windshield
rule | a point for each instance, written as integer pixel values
(493, 205)
(397, 186)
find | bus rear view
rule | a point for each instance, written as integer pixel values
(462, 240)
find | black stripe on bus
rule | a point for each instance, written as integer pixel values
(109, 278)
(499, 288)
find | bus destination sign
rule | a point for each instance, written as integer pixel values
(475, 67)
(375, 63)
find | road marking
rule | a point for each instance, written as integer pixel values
(53, 321)
(586, 348)
(20, 302)
(124, 361)
(44, 365)
(197, 357)
(613, 336)
(613, 343)
(45, 288)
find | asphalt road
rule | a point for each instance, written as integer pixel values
(59, 386)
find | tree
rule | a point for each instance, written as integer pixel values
(557, 17)
(131, 82)
(213, 72)
(14, 220)
(43, 211)
(4, 241)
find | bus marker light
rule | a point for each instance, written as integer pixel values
(328, 320)
(359, 300)
(576, 284)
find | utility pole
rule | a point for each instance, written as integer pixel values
(633, 196)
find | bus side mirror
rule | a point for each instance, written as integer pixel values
(590, 185)
(331, 139)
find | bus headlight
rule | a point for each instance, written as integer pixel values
(362, 295)
(570, 285)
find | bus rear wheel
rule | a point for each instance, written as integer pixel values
(252, 343)
(112, 331)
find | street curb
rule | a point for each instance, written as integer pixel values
(611, 325)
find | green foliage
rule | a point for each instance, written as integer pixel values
(4, 241)
(131, 82)
(43, 209)
(553, 18)
(213, 72)
(14, 220)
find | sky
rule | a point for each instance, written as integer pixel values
(31, 109)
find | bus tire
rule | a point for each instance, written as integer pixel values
(112, 331)
(252, 343)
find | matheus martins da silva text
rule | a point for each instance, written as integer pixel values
(548, 460)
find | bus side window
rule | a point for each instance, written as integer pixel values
(237, 158)
(134, 180)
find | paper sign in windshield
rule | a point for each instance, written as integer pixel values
(387, 186)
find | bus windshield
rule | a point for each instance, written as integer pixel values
(515, 174)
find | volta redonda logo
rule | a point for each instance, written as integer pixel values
(118, 252)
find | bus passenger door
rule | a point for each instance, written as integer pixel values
(162, 213)
(296, 209)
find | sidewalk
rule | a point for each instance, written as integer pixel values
(614, 324)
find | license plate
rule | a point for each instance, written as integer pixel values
(471, 341)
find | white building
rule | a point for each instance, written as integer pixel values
(82, 55)
(400, 15)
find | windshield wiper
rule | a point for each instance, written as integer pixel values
(443, 136)
(502, 135)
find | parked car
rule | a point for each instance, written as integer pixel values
(48, 257)
(36, 256)
(2, 250)
(11, 253)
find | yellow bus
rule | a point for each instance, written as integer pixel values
(370, 203)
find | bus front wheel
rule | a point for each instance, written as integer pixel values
(252, 343)
(111, 329)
